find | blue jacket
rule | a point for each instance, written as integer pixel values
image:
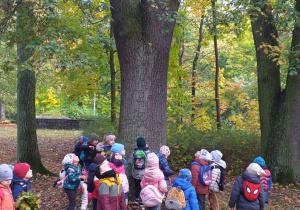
(191, 202)
(163, 165)
(19, 185)
(72, 181)
(237, 198)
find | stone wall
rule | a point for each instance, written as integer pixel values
(58, 123)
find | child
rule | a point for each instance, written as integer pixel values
(163, 155)
(110, 189)
(105, 146)
(119, 148)
(90, 152)
(265, 180)
(184, 182)
(117, 164)
(138, 160)
(151, 174)
(78, 151)
(20, 182)
(92, 183)
(201, 159)
(73, 177)
(6, 198)
(215, 165)
(247, 192)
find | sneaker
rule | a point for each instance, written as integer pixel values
(136, 201)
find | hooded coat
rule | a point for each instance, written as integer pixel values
(237, 198)
(121, 171)
(19, 185)
(6, 198)
(216, 175)
(163, 165)
(152, 173)
(195, 169)
(191, 202)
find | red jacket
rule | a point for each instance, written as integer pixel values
(195, 169)
(6, 198)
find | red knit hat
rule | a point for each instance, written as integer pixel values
(21, 169)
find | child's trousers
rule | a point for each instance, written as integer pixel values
(201, 201)
(137, 190)
(72, 199)
(213, 200)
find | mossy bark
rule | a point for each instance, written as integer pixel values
(278, 108)
(27, 147)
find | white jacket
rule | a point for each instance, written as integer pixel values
(215, 175)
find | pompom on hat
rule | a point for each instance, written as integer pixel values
(68, 159)
(255, 169)
(5, 172)
(259, 160)
(140, 142)
(21, 169)
(165, 150)
(216, 155)
(185, 174)
(204, 154)
(117, 148)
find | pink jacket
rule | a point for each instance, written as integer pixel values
(6, 198)
(120, 170)
(152, 173)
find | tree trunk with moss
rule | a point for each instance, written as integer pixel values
(278, 109)
(27, 148)
(143, 31)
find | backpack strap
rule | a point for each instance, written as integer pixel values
(23, 185)
(195, 163)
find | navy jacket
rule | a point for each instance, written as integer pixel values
(163, 165)
(19, 185)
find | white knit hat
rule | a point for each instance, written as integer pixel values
(255, 169)
(68, 159)
(165, 150)
(216, 155)
(204, 154)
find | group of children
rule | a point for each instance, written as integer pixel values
(13, 181)
(103, 180)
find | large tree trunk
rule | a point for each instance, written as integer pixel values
(143, 39)
(112, 80)
(27, 148)
(277, 108)
(2, 112)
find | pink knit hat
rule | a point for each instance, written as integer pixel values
(109, 137)
(165, 150)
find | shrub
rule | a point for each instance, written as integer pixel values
(239, 147)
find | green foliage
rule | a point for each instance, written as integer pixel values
(100, 125)
(239, 148)
(28, 201)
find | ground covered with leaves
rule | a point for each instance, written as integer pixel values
(54, 144)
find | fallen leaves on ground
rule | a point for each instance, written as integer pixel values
(54, 144)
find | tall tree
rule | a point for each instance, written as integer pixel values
(27, 150)
(279, 109)
(143, 32)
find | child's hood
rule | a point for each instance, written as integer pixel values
(250, 177)
(118, 170)
(152, 160)
(220, 163)
(16, 179)
(183, 184)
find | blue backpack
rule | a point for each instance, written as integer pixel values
(204, 174)
(77, 151)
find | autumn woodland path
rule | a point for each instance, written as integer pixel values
(54, 144)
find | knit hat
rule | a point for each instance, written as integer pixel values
(165, 150)
(5, 172)
(185, 174)
(140, 142)
(152, 160)
(82, 139)
(256, 170)
(259, 160)
(93, 137)
(204, 154)
(117, 148)
(216, 155)
(99, 159)
(109, 137)
(21, 169)
(68, 159)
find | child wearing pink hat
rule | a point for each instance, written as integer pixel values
(20, 182)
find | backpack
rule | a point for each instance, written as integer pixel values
(175, 199)
(250, 190)
(221, 183)
(140, 159)
(204, 174)
(62, 178)
(266, 180)
(150, 195)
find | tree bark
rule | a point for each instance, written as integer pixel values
(278, 109)
(143, 40)
(2, 112)
(112, 80)
(27, 147)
